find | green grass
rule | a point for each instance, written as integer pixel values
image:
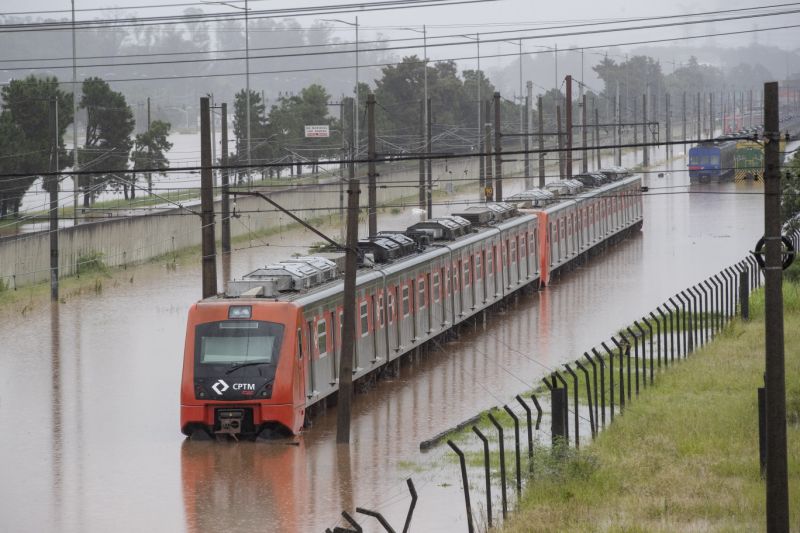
(684, 456)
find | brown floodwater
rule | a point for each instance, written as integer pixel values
(89, 390)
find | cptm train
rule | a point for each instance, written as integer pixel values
(257, 358)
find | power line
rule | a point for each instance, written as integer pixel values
(413, 39)
(406, 47)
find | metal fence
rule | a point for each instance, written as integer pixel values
(601, 383)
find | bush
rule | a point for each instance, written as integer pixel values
(91, 262)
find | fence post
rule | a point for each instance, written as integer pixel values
(530, 430)
(635, 358)
(486, 470)
(563, 382)
(558, 416)
(538, 410)
(499, 427)
(610, 377)
(575, 404)
(602, 386)
(379, 517)
(649, 332)
(588, 397)
(666, 338)
(516, 447)
(744, 294)
(621, 374)
(672, 324)
(412, 506)
(596, 392)
(704, 321)
(464, 480)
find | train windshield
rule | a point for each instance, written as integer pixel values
(234, 342)
(703, 158)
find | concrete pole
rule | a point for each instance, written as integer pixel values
(668, 120)
(372, 185)
(209, 258)
(645, 150)
(560, 143)
(683, 132)
(52, 188)
(540, 112)
(429, 148)
(568, 83)
(488, 190)
(498, 149)
(422, 180)
(526, 144)
(345, 395)
(777, 477)
(226, 210)
(585, 161)
(597, 137)
(75, 177)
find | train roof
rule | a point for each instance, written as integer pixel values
(303, 279)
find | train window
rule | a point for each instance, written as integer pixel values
(363, 311)
(405, 300)
(237, 341)
(435, 286)
(380, 310)
(455, 278)
(299, 343)
(513, 251)
(478, 266)
(466, 273)
(489, 263)
(341, 325)
(322, 337)
(421, 299)
(390, 305)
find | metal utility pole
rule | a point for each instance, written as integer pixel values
(226, 209)
(498, 149)
(710, 115)
(52, 188)
(751, 108)
(429, 145)
(597, 135)
(777, 478)
(683, 132)
(585, 164)
(209, 259)
(616, 131)
(488, 190)
(75, 177)
(422, 180)
(668, 120)
(149, 159)
(568, 83)
(342, 235)
(539, 111)
(344, 402)
(527, 131)
(372, 186)
(560, 143)
(526, 145)
(699, 117)
(645, 151)
(481, 159)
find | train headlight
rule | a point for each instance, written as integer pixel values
(240, 311)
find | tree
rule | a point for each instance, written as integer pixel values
(288, 119)
(25, 135)
(109, 124)
(258, 149)
(149, 153)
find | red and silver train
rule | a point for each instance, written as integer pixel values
(257, 358)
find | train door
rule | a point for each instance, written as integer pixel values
(413, 296)
(298, 385)
(445, 295)
(458, 297)
(372, 324)
(475, 267)
(312, 349)
(393, 318)
(429, 302)
(484, 274)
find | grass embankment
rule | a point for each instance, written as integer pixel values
(684, 456)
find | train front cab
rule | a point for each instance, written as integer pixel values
(242, 372)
